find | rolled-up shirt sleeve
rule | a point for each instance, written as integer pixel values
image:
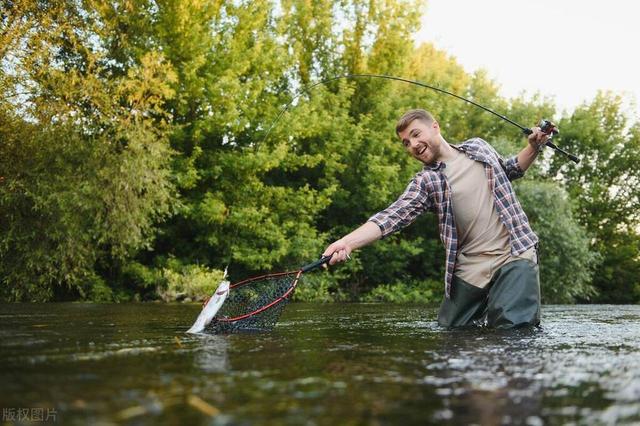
(405, 209)
(512, 168)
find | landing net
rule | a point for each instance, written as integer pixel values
(254, 305)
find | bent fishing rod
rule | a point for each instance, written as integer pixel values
(546, 126)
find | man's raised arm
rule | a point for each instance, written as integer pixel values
(530, 152)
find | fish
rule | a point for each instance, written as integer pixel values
(211, 308)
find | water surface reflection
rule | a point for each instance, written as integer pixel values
(324, 364)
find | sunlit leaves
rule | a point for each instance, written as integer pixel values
(134, 135)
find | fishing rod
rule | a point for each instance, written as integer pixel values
(546, 126)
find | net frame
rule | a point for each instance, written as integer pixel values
(259, 316)
(262, 316)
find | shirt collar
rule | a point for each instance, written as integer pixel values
(439, 164)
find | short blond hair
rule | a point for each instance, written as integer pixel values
(411, 115)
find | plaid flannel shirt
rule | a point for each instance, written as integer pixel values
(429, 191)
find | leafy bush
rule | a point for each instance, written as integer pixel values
(188, 282)
(429, 291)
(318, 288)
(566, 260)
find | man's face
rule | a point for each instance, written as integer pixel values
(422, 141)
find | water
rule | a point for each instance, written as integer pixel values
(324, 364)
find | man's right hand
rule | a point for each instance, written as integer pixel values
(340, 251)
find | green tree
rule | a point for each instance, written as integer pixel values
(84, 153)
(240, 204)
(606, 189)
(566, 260)
(135, 156)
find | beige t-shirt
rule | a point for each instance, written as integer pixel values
(483, 240)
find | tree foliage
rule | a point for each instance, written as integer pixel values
(134, 153)
(606, 189)
(84, 152)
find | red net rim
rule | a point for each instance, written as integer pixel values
(268, 306)
(261, 277)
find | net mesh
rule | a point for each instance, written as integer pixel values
(254, 305)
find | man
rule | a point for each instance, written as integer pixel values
(491, 273)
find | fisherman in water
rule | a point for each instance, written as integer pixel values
(491, 275)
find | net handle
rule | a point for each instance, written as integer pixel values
(316, 264)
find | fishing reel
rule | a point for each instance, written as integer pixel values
(548, 128)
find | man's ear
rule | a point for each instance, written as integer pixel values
(435, 125)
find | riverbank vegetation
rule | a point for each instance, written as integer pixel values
(134, 163)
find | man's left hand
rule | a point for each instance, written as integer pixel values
(538, 138)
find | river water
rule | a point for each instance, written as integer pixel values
(327, 364)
